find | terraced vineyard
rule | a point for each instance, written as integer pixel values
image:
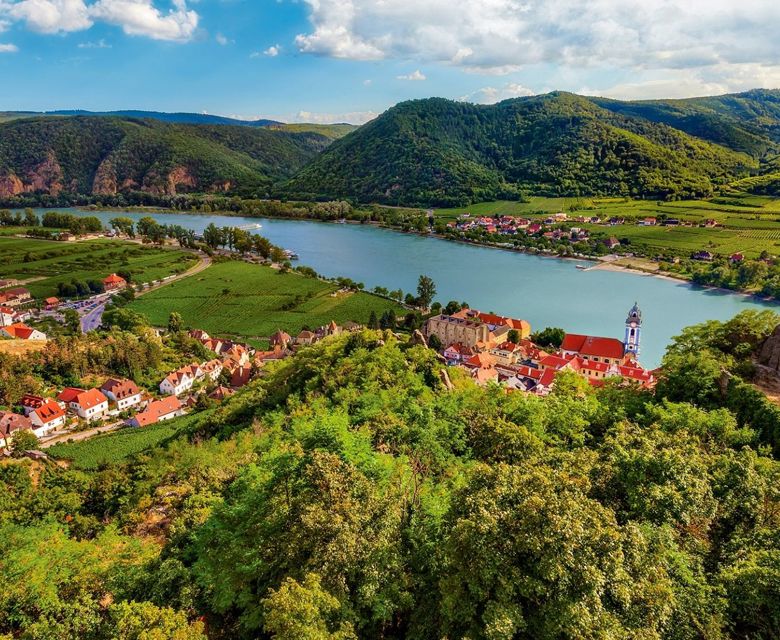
(251, 301)
(44, 264)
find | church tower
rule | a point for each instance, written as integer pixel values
(633, 331)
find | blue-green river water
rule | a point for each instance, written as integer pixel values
(544, 291)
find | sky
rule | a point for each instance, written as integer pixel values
(349, 60)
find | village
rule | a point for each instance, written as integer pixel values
(496, 349)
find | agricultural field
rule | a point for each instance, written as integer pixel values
(252, 301)
(42, 264)
(118, 446)
(751, 224)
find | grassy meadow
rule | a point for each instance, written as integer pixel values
(44, 263)
(751, 224)
(251, 301)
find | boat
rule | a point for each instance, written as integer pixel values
(581, 267)
(341, 221)
(290, 255)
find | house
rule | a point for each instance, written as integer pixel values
(20, 331)
(705, 256)
(221, 393)
(47, 417)
(240, 375)
(212, 369)
(506, 353)
(612, 242)
(200, 335)
(736, 258)
(305, 338)
(88, 405)
(177, 382)
(649, 222)
(11, 423)
(281, 339)
(14, 297)
(114, 283)
(7, 316)
(51, 303)
(457, 353)
(158, 411)
(123, 393)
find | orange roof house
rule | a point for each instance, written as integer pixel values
(114, 282)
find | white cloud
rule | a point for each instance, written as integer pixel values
(491, 95)
(50, 16)
(368, 83)
(414, 75)
(222, 39)
(272, 51)
(100, 44)
(135, 17)
(717, 38)
(8, 48)
(352, 117)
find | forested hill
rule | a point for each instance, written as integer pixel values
(104, 155)
(438, 151)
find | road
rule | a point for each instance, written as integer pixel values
(204, 263)
(77, 436)
(92, 319)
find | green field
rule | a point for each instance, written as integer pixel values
(252, 301)
(44, 263)
(119, 445)
(751, 224)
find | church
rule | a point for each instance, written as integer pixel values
(608, 350)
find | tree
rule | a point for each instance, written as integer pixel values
(426, 290)
(24, 440)
(212, 236)
(145, 621)
(304, 611)
(549, 337)
(434, 342)
(373, 322)
(513, 336)
(72, 321)
(174, 322)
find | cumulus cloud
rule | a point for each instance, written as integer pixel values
(222, 39)
(504, 36)
(8, 48)
(134, 17)
(414, 75)
(272, 51)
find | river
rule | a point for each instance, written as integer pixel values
(544, 291)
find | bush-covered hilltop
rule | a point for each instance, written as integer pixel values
(441, 152)
(355, 493)
(104, 156)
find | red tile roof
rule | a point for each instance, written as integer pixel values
(158, 409)
(114, 279)
(121, 389)
(69, 394)
(10, 422)
(593, 346)
(91, 398)
(19, 330)
(49, 411)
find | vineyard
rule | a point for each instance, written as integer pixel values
(251, 301)
(119, 445)
(47, 263)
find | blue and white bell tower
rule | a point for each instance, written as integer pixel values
(633, 331)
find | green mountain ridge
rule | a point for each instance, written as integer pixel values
(441, 152)
(100, 155)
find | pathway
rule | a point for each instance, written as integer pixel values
(204, 263)
(77, 436)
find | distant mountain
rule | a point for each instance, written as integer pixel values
(108, 155)
(175, 118)
(435, 151)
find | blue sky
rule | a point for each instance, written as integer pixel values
(347, 60)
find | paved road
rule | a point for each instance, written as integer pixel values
(92, 319)
(77, 436)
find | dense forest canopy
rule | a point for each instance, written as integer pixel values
(351, 494)
(422, 152)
